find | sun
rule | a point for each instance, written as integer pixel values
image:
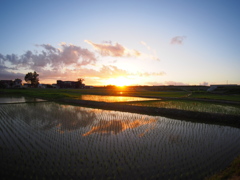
(119, 81)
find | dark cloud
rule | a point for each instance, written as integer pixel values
(178, 40)
(48, 57)
(6, 75)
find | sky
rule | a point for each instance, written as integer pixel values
(127, 42)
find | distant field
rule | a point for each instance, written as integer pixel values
(75, 93)
(183, 100)
(205, 95)
(191, 106)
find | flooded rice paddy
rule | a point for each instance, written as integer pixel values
(113, 98)
(19, 99)
(192, 106)
(53, 141)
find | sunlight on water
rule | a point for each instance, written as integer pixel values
(113, 98)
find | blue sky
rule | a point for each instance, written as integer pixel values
(144, 42)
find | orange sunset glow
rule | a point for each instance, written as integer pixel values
(122, 43)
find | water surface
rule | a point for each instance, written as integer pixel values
(52, 141)
(113, 98)
(18, 99)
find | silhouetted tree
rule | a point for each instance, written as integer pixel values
(80, 82)
(33, 78)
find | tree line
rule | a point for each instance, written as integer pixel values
(33, 78)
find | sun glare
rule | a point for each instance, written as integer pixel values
(119, 81)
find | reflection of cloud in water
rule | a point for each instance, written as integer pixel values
(66, 118)
(45, 116)
(117, 126)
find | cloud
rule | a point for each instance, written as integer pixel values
(168, 83)
(112, 71)
(94, 76)
(67, 62)
(104, 72)
(175, 83)
(51, 57)
(6, 75)
(153, 51)
(203, 84)
(145, 44)
(146, 74)
(117, 50)
(47, 59)
(178, 40)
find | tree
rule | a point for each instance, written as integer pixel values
(33, 78)
(80, 83)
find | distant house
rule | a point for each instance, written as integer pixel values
(10, 83)
(55, 86)
(17, 83)
(26, 85)
(88, 87)
(69, 84)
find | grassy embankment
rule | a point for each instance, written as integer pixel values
(232, 172)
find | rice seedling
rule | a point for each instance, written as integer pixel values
(191, 106)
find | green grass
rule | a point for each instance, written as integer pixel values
(205, 95)
(49, 94)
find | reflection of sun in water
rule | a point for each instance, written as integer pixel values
(119, 81)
